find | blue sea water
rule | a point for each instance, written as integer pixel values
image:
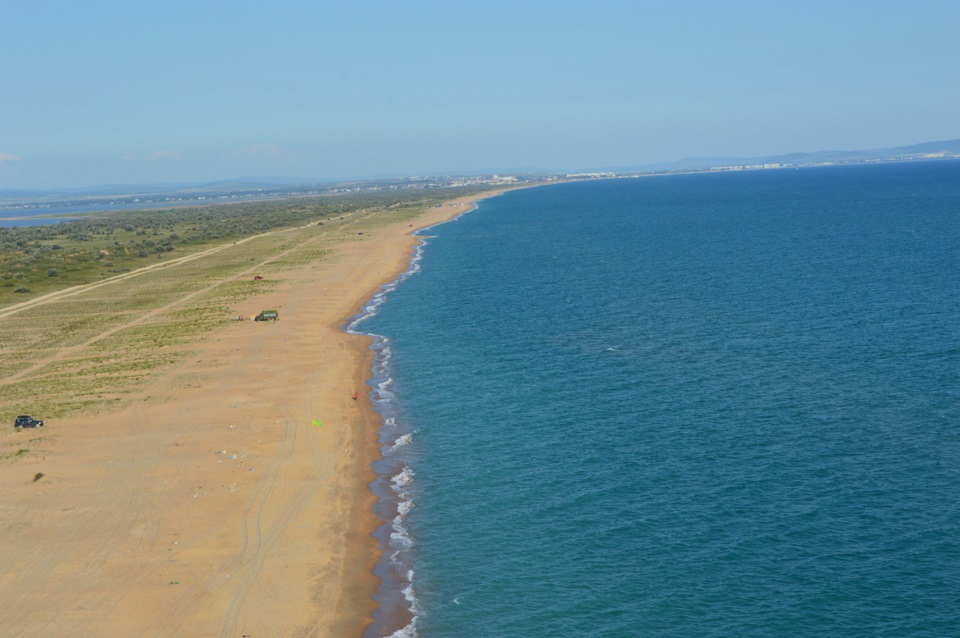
(692, 405)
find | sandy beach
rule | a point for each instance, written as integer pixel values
(226, 495)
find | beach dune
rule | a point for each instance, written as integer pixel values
(235, 503)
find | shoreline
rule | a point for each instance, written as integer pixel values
(395, 613)
(212, 503)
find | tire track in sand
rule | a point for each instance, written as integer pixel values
(66, 352)
(82, 288)
(253, 526)
(254, 543)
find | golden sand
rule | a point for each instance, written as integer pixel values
(223, 510)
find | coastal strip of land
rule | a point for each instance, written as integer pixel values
(211, 477)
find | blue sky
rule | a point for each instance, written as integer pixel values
(109, 92)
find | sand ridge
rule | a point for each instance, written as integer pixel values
(224, 511)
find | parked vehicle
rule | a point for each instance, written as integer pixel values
(268, 315)
(25, 421)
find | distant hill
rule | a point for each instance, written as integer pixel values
(280, 186)
(925, 150)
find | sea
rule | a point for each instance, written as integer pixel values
(719, 404)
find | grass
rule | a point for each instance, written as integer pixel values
(13, 456)
(42, 259)
(106, 344)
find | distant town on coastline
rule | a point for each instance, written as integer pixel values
(252, 188)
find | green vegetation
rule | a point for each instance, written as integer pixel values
(95, 347)
(36, 260)
(7, 456)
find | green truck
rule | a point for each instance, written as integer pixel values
(267, 315)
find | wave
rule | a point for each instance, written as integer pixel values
(401, 441)
(393, 488)
(396, 597)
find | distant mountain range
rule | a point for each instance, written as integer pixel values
(927, 150)
(280, 186)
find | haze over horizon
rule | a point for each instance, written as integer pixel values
(112, 93)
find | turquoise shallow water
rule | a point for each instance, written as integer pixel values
(704, 405)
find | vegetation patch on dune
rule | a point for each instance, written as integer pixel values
(117, 299)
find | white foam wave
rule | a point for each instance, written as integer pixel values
(401, 541)
(401, 441)
(410, 631)
(408, 593)
(404, 478)
(399, 538)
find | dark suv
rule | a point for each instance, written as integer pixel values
(27, 422)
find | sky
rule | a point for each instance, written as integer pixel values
(121, 92)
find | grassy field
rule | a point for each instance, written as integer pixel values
(40, 259)
(100, 331)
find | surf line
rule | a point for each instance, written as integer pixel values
(398, 610)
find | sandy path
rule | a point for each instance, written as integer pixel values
(223, 512)
(76, 290)
(67, 352)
